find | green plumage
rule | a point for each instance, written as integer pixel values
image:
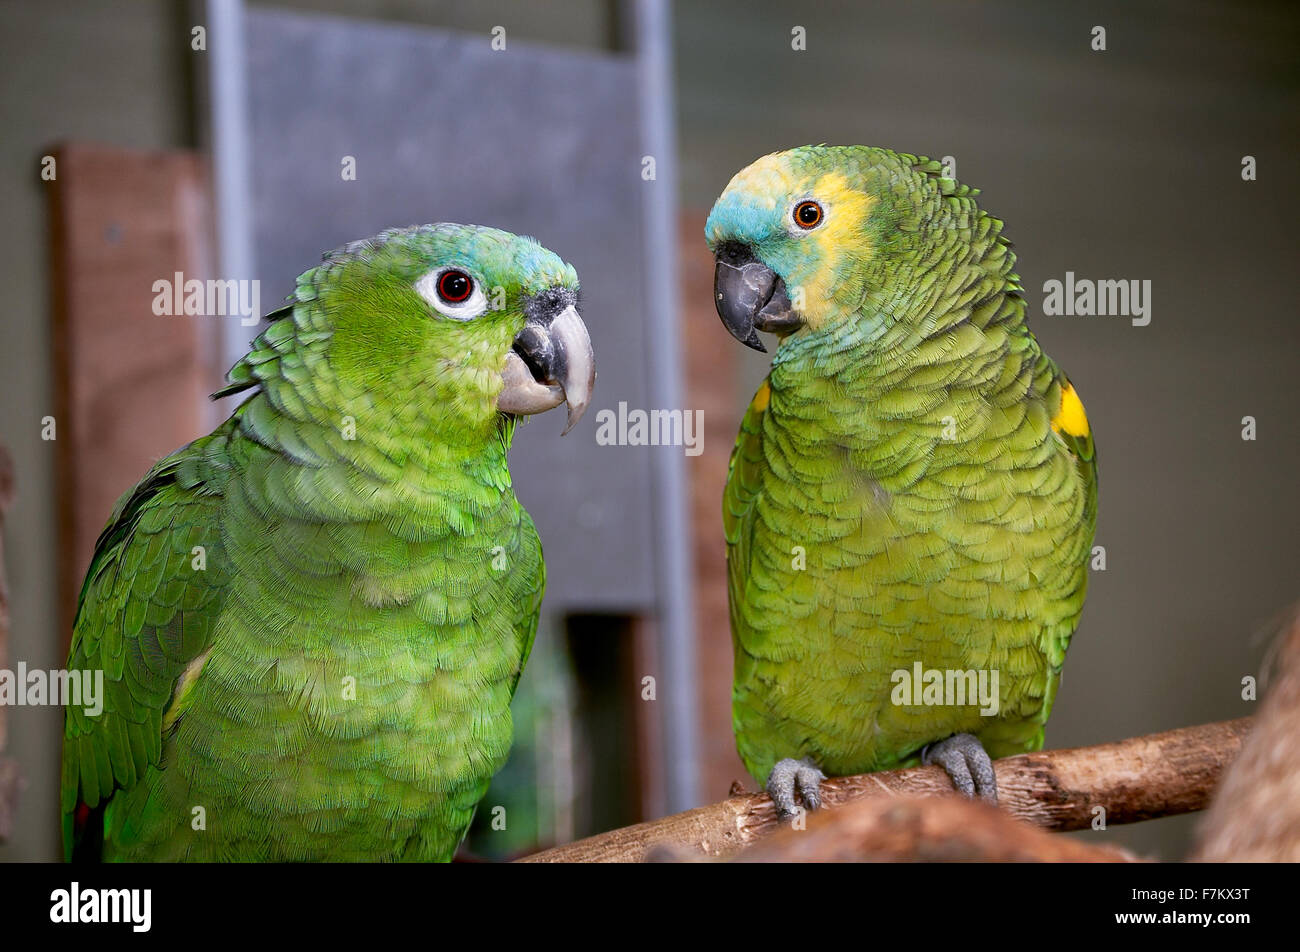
(311, 622)
(899, 492)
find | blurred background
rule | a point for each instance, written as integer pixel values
(214, 139)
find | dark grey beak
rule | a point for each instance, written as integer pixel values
(750, 297)
(550, 363)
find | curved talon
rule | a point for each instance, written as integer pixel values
(967, 764)
(790, 776)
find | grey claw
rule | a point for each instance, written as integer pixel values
(967, 764)
(808, 781)
(790, 776)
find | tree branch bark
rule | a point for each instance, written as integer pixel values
(923, 830)
(1136, 779)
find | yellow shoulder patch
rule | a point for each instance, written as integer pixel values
(1070, 418)
(761, 398)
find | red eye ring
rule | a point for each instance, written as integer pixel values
(808, 215)
(455, 287)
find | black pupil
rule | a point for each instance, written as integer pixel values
(809, 213)
(454, 286)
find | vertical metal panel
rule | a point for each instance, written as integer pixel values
(533, 140)
(678, 691)
(230, 146)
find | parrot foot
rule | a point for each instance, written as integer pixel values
(790, 776)
(967, 764)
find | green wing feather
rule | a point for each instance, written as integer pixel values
(144, 614)
(744, 483)
(743, 489)
(1084, 451)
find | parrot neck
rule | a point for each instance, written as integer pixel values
(414, 462)
(870, 378)
(910, 321)
(314, 406)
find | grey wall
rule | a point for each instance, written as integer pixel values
(1116, 164)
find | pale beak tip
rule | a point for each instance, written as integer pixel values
(577, 407)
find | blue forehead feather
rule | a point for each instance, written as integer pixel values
(736, 217)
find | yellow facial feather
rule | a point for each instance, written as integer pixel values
(843, 233)
(767, 180)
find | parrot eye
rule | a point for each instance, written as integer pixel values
(807, 215)
(453, 293)
(454, 287)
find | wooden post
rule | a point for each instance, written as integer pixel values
(1256, 814)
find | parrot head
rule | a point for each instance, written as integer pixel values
(460, 323)
(803, 234)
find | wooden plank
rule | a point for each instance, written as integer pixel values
(130, 386)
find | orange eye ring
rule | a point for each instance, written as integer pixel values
(808, 215)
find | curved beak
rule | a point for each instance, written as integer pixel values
(550, 363)
(751, 297)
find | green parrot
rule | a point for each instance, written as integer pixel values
(912, 497)
(311, 622)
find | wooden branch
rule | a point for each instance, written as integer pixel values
(1256, 813)
(1137, 779)
(923, 830)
